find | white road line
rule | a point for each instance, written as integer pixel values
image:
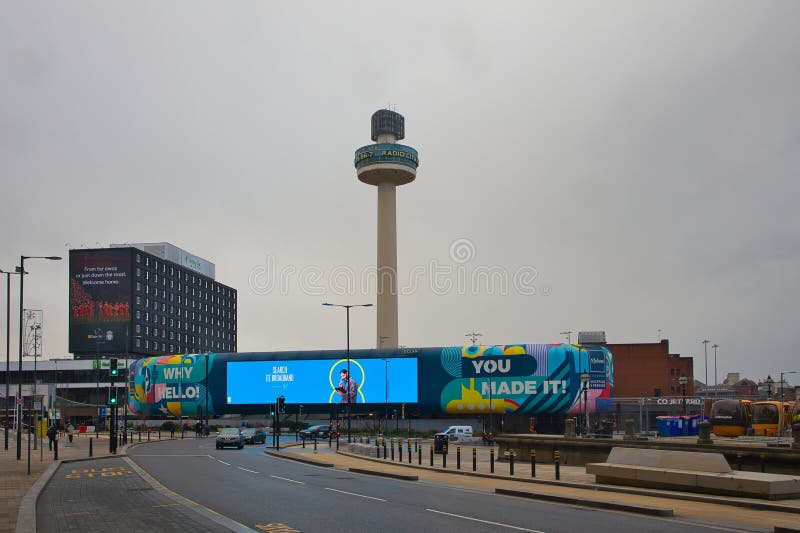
(485, 521)
(287, 479)
(354, 494)
(246, 470)
(223, 462)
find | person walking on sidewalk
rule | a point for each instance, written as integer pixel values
(52, 432)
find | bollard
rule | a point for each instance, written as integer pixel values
(392, 446)
(491, 460)
(90, 446)
(409, 453)
(458, 457)
(384, 449)
(431, 454)
(55, 450)
(739, 461)
(511, 462)
(474, 459)
(377, 449)
(400, 450)
(304, 443)
(533, 463)
(557, 459)
(444, 455)
(337, 443)
(148, 435)
(159, 433)
(315, 445)
(419, 452)
(763, 464)
(140, 435)
(183, 430)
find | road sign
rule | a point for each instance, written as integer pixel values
(37, 406)
(102, 410)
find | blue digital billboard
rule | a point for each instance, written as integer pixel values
(321, 381)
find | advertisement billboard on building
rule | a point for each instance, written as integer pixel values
(99, 300)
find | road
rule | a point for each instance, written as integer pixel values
(264, 492)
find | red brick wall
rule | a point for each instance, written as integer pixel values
(640, 369)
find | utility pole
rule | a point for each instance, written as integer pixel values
(473, 337)
(705, 395)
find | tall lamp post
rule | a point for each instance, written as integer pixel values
(21, 269)
(585, 390)
(349, 376)
(683, 380)
(705, 391)
(716, 390)
(780, 408)
(8, 348)
(769, 382)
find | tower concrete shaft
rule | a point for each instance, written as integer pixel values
(386, 165)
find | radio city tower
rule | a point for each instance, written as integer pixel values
(386, 165)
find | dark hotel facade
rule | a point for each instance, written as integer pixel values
(147, 300)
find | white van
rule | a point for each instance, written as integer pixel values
(457, 432)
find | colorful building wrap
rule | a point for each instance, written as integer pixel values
(172, 385)
(468, 380)
(529, 378)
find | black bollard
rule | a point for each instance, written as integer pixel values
(739, 461)
(377, 449)
(159, 433)
(337, 443)
(400, 450)
(444, 456)
(533, 463)
(183, 430)
(409, 453)
(431, 454)
(140, 435)
(384, 449)
(90, 446)
(557, 459)
(458, 457)
(491, 459)
(304, 443)
(148, 435)
(419, 452)
(315, 445)
(763, 463)
(474, 459)
(510, 462)
(55, 450)
(392, 446)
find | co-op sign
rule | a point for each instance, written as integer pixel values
(679, 401)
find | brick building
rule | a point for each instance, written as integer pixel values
(649, 370)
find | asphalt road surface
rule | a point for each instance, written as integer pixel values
(272, 494)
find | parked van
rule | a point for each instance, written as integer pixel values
(457, 432)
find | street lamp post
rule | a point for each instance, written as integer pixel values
(769, 382)
(682, 380)
(349, 376)
(716, 390)
(780, 408)
(705, 390)
(21, 269)
(8, 349)
(585, 390)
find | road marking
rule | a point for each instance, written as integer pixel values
(485, 521)
(354, 494)
(77, 514)
(276, 528)
(166, 505)
(287, 479)
(223, 462)
(246, 470)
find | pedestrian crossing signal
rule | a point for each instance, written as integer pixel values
(113, 371)
(112, 400)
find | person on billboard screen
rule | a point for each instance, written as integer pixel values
(347, 388)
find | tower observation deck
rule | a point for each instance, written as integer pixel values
(387, 164)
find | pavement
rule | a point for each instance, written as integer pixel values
(106, 483)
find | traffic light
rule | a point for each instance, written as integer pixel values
(281, 404)
(112, 400)
(113, 371)
(271, 410)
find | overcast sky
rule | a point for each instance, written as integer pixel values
(626, 166)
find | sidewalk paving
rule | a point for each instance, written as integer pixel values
(15, 481)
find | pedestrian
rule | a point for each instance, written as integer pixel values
(52, 432)
(70, 429)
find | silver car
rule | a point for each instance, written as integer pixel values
(230, 437)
